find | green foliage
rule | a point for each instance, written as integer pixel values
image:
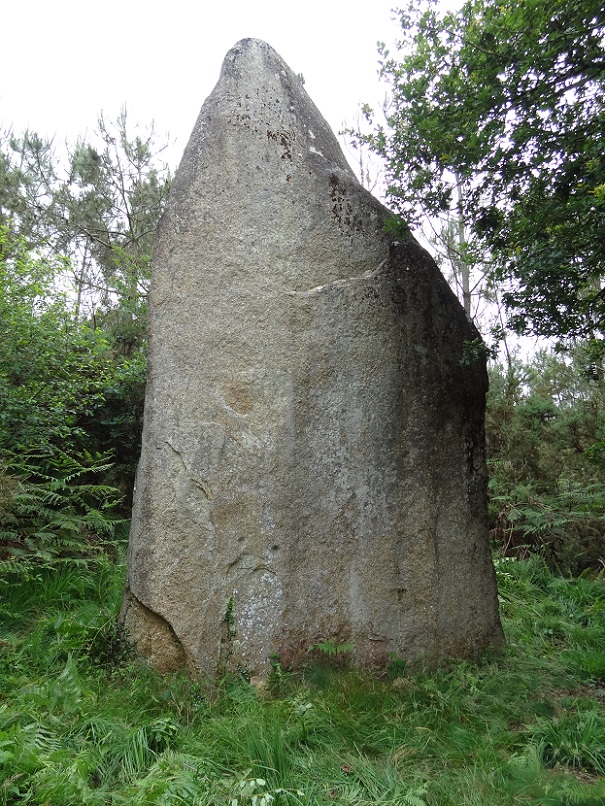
(64, 388)
(396, 667)
(52, 368)
(397, 227)
(498, 110)
(331, 649)
(114, 427)
(100, 212)
(567, 528)
(28, 167)
(524, 726)
(545, 422)
(576, 740)
(74, 267)
(474, 351)
(57, 376)
(109, 206)
(53, 512)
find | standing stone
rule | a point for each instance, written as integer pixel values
(313, 451)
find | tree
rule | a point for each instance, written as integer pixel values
(76, 235)
(506, 101)
(546, 451)
(106, 211)
(97, 206)
(53, 369)
(66, 387)
(28, 166)
(72, 365)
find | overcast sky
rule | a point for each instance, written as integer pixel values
(62, 62)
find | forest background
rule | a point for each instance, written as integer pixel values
(490, 146)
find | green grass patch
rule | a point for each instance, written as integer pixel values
(81, 723)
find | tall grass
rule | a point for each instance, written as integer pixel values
(81, 723)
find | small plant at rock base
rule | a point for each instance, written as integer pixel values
(396, 667)
(229, 632)
(110, 646)
(331, 649)
(243, 672)
(328, 654)
(278, 677)
(229, 618)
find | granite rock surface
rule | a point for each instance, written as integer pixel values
(313, 460)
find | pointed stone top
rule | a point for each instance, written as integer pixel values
(262, 164)
(258, 92)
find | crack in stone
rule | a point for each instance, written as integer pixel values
(367, 275)
(197, 482)
(203, 487)
(153, 635)
(237, 565)
(177, 453)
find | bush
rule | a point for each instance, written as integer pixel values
(545, 422)
(53, 511)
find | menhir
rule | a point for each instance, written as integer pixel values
(313, 461)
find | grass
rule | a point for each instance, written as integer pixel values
(81, 724)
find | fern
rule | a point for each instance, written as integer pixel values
(567, 528)
(52, 511)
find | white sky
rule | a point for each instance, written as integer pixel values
(62, 62)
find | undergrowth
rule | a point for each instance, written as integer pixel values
(55, 511)
(81, 723)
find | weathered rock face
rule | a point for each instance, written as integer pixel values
(313, 451)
